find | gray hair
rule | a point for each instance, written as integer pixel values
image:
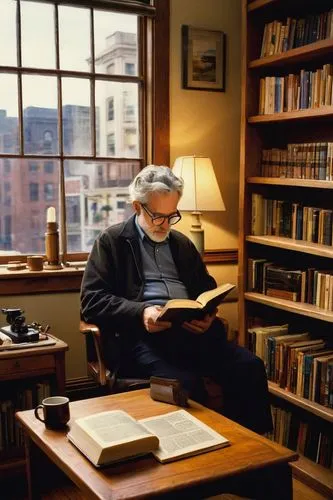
(154, 178)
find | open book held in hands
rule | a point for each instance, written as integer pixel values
(180, 310)
(112, 436)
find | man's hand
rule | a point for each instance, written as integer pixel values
(149, 320)
(200, 326)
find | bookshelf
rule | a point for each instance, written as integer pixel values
(277, 130)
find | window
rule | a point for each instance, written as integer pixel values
(57, 113)
(48, 167)
(34, 191)
(7, 194)
(49, 193)
(130, 69)
(33, 166)
(121, 205)
(6, 165)
(111, 145)
(110, 110)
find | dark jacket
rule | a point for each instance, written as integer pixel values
(112, 286)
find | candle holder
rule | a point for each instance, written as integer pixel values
(52, 246)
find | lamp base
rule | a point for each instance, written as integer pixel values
(197, 234)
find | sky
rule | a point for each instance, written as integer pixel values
(38, 49)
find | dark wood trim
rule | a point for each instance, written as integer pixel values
(223, 256)
(69, 279)
(161, 111)
(130, 6)
(28, 282)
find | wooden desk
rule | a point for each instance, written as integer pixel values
(34, 363)
(196, 477)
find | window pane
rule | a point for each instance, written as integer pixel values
(8, 114)
(40, 114)
(76, 116)
(116, 46)
(74, 38)
(96, 197)
(122, 130)
(38, 37)
(8, 55)
(23, 205)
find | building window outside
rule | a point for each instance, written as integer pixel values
(49, 193)
(130, 69)
(7, 194)
(110, 109)
(33, 166)
(111, 145)
(34, 191)
(121, 205)
(48, 167)
(6, 166)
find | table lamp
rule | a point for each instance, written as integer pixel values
(201, 192)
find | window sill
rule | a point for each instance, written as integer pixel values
(22, 282)
(69, 278)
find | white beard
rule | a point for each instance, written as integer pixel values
(157, 237)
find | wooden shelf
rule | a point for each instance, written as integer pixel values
(295, 245)
(283, 181)
(298, 55)
(304, 114)
(315, 408)
(258, 4)
(314, 475)
(276, 130)
(294, 307)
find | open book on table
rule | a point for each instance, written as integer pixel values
(112, 436)
(180, 310)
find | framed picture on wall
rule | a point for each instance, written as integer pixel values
(203, 59)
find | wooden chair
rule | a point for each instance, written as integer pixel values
(102, 375)
(97, 367)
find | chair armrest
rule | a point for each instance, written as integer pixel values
(98, 370)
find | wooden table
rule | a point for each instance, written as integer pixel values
(247, 462)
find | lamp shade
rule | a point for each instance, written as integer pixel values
(201, 190)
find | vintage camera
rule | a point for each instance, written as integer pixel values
(17, 330)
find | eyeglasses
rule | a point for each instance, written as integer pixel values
(159, 219)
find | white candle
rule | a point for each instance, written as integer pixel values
(51, 215)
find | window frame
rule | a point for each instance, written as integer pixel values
(154, 57)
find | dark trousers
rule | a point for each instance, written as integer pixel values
(188, 357)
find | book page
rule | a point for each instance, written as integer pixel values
(180, 435)
(112, 427)
(220, 292)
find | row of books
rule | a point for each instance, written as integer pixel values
(311, 286)
(11, 436)
(295, 361)
(313, 160)
(304, 437)
(294, 92)
(291, 220)
(280, 36)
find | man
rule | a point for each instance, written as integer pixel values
(137, 266)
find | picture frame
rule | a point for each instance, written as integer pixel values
(203, 59)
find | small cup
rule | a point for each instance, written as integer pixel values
(35, 262)
(55, 410)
